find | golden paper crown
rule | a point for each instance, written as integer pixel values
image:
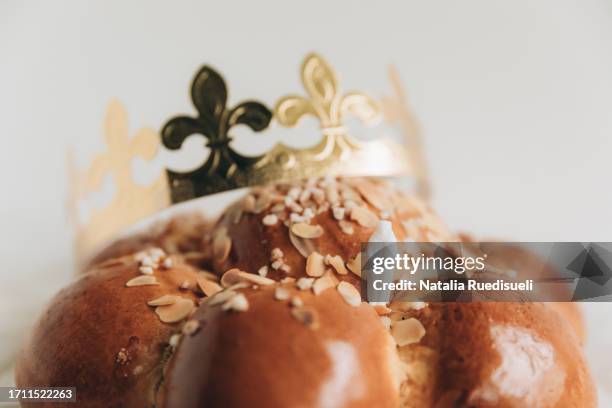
(336, 153)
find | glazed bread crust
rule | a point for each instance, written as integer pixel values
(267, 357)
(101, 337)
(528, 265)
(313, 344)
(494, 354)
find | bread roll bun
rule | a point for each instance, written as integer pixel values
(527, 265)
(321, 353)
(339, 215)
(182, 234)
(101, 337)
(493, 355)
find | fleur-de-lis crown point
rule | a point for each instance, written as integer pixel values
(214, 119)
(325, 100)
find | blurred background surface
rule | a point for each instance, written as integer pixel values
(514, 100)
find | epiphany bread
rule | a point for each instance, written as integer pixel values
(279, 321)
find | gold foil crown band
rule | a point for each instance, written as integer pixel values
(335, 152)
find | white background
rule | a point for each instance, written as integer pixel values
(514, 98)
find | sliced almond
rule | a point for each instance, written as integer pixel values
(208, 287)
(364, 217)
(349, 293)
(175, 312)
(248, 203)
(337, 263)
(307, 231)
(307, 316)
(237, 303)
(221, 297)
(222, 244)
(318, 195)
(373, 194)
(349, 194)
(281, 293)
(407, 331)
(304, 246)
(349, 204)
(324, 282)
(234, 213)
(332, 194)
(208, 275)
(191, 327)
(354, 265)
(239, 285)
(256, 279)
(230, 277)
(314, 265)
(346, 227)
(262, 202)
(163, 300)
(144, 280)
(276, 208)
